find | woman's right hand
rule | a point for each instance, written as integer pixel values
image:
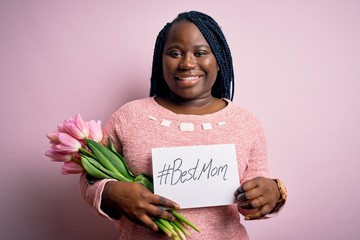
(135, 202)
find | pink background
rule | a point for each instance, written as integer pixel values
(297, 69)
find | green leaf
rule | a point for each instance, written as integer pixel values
(92, 170)
(112, 148)
(114, 175)
(108, 159)
(145, 180)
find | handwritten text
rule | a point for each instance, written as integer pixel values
(173, 173)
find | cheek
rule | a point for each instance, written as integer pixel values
(213, 69)
(211, 64)
(167, 72)
(164, 66)
(168, 66)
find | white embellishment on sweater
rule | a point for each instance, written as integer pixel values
(206, 126)
(186, 127)
(152, 118)
(165, 123)
(221, 123)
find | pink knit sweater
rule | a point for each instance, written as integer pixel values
(140, 125)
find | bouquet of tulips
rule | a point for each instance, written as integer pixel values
(77, 144)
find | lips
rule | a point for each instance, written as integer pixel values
(187, 78)
(186, 81)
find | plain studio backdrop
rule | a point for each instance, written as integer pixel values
(297, 69)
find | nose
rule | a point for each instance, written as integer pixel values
(187, 62)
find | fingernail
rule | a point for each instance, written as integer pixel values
(247, 218)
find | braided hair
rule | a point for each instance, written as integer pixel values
(224, 83)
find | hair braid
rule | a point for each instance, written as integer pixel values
(157, 71)
(224, 84)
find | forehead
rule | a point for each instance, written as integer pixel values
(185, 32)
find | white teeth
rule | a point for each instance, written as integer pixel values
(188, 78)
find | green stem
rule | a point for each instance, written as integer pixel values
(163, 228)
(182, 228)
(168, 226)
(178, 230)
(184, 220)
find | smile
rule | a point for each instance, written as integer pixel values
(189, 78)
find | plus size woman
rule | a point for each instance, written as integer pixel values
(190, 103)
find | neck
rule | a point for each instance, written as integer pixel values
(195, 106)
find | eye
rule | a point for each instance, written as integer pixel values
(175, 54)
(200, 53)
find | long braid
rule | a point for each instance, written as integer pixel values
(157, 71)
(224, 84)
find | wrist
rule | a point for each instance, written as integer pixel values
(282, 195)
(107, 200)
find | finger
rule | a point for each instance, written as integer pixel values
(164, 202)
(247, 186)
(256, 203)
(249, 195)
(159, 212)
(238, 191)
(263, 211)
(242, 197)
(148, 222)
(250, 184)
(245, 205)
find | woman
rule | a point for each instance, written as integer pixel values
(192, 82)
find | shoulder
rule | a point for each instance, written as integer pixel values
(246, 123)
(129, 111)
(133, 107)
(239, 113)
(136, 104)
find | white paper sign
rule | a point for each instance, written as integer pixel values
(196, 176)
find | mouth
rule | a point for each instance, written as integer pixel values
(187, 78)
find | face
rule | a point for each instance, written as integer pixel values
(189, 66)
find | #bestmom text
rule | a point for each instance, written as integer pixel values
(173, 173)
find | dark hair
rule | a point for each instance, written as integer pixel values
(224, 84)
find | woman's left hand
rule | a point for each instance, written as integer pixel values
(257, 197)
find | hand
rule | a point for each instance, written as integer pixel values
(136, 203)
(258, 195)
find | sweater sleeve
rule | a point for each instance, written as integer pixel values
(257, 162)
(92, 193)
(258, 165)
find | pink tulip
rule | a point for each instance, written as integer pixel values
(74, 131)
(71, 167)
(96, 133)
(82, 125)
(68, 144)
(53, 137)
(75, 127)
(58, 156)
(62, 128)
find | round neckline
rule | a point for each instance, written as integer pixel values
(167, 111)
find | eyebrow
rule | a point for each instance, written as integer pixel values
(203, 45)
(196, 46)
